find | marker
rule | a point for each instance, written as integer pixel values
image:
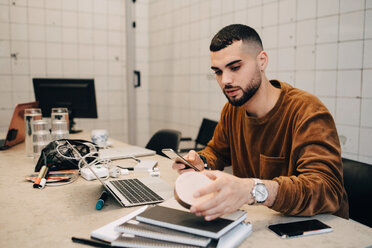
(101, 200)
(42, 174)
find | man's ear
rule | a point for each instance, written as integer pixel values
(262, 60)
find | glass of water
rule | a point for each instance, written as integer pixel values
(60, 114)
(40, 137)
(30, 115)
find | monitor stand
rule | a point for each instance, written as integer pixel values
(72, 124)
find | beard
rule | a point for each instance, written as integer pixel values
(248, 92)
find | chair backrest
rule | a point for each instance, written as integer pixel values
(206, 131)
(165, 138)
(358, 185)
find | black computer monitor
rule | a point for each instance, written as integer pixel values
(78, 95)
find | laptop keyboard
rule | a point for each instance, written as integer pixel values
(136, 192)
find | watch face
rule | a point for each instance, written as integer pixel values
(261, 193)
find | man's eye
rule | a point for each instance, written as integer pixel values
(235, 68)
(218, 72)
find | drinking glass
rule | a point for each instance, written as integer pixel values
(31, 114)
(40, 137)
(59, 129)
(60, 114)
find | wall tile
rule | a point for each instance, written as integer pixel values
(306, 9)
(18, 14)
(5, 66)
(365, 141)
(53, 4)
(19, 31)
(69, 19)
(329, 7)
(325, 83)
(85, 20)
(327, 29)
(20, 66)
(20, 48)
(366, 116)
(4, 31)
(36, 3)
(349, 138)
(71, 68)
(367, 57)
(367, 83)
(305, 80)
(330, 103)
(351, 5)
(352, 26)
(270, 14)
(5, 102)
(287, 11)
(53, 17)
(4, 48)
(37, 33)
(305, 32)
(347, 111)
(255, 16)
(36, 16)
(368, 24)
(350, 55)
(54, 67)
(269, 37)
(349, 83)
(70, 5)
(326, 56)
(6, 83)
(37, 67)
(287, 35)
(305, 58)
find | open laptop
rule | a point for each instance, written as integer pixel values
(125, 152)
(136, 191)
(16, 131)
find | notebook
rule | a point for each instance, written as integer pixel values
(125, 152)
(188, 222)
(139, 229)
(16, 131)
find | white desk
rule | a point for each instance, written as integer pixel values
(50, 217)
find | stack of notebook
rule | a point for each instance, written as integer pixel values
(161, 226)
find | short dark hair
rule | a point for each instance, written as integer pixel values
(234, 32)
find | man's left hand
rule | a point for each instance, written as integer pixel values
(230, 193)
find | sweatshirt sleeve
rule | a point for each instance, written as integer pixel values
(317, 185)
(217, 152)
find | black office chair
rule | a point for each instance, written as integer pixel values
(358, 185)
(165, 138)
(205, 134)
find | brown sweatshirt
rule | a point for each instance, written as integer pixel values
(295, 144)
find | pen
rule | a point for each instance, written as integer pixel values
(90, 242)
(101, 200)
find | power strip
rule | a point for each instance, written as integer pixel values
(100, 171)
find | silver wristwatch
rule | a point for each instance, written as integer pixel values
(259, 191)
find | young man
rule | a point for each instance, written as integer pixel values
(282, 142)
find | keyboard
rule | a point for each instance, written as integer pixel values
(136, 192)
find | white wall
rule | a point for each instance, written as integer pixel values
(322, 46)
(65, 38)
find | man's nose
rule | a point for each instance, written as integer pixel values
(226, 78)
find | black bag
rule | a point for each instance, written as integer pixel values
(64, 158)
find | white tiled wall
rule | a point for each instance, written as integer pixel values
(322, 46)
(65, 38)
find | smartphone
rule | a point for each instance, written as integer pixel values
(300, 228)
(178, 158)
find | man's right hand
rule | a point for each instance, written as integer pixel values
(193, 158)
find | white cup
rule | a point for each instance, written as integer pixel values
(99, 137)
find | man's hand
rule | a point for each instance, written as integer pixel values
(230, 193)
(193, 158)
